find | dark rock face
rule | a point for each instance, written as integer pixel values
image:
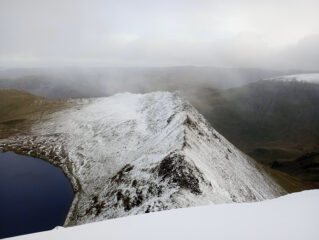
(125, 198)
(96, 206)
(119, 177)
(178, 172)
(129, 191)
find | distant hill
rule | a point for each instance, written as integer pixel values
(308, 77)
(269, 120)
(57, 83)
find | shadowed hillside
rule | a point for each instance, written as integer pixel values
(269, 120)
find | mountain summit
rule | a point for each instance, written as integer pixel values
(139, 153)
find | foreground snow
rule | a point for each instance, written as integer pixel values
(294, 216)
(308, 77)
(136, 153)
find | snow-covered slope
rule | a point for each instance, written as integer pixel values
(308, 77)
(134, 153)
(293, 217)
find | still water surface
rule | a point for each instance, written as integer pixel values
(34, 195)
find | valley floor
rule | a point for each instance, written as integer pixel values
(294, 216)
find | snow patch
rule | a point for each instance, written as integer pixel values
(293, 217)
(309, 77)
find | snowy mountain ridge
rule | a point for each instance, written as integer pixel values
(307, 77)
(139, 153)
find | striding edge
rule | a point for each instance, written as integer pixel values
(139, 153)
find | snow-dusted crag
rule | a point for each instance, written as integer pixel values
(139, 153)
(307, 77)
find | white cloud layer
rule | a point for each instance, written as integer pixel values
(245, 33)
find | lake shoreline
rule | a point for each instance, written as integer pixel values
(10, 146)
(39, 196)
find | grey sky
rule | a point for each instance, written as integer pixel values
(228, 33)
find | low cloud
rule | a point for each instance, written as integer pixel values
(119, 33)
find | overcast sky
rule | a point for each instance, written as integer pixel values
(281, 34)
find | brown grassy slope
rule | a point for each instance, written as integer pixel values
(19, 108)
(17, 105)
